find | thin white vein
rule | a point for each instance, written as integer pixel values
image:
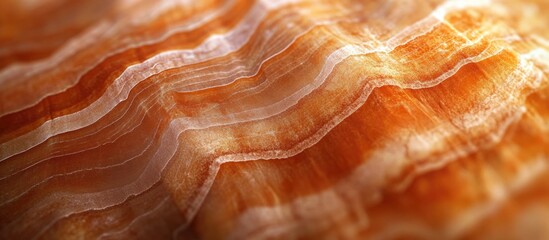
(506, 111)
(89, 38)
(191, 211)
(247, 72)
(53, 176)
(65, 153)
(214, 46)
(122, 117)
(100, 31)
(179, 124)
(360, 49)
(165, 151)
(135, 220)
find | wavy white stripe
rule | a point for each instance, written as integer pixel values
(369, 181)
(214, 46)
(179, 124)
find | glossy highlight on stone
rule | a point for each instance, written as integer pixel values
(274, 119)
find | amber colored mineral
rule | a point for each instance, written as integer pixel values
(274, 119)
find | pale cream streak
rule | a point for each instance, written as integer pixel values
(46, 180)
(79, 138)
(256, 68)
(170, 139)
(123, 117)
(271, 80)
(455, 229)
(273, 222)
(215, 46)
(277, 47)
(236, 61)
(359, 182)
(323, 75)
(165, 152)
(191, 211)
(135, 220)
(144, 102)
(279, 103)
(216, 168)
(540, 57)
(102, 30)
(470, 217)
(5, 50)
(37, 45)
(324, 72)
(440, 13)
(409, 30)
(81, 150)
(63, 150)
(406, 35)
(291, 100)
(171, 135)
(500, 108)
(294, 100)
(498, 195)
(113, 191)
(501, 132)
(217, 82)
(541, 40)
(413, 86)
(277, 74)
(419, 143)
(136, 18)
(470, 43)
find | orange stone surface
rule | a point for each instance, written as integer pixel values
(274, 119)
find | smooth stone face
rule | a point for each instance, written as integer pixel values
(275, 119)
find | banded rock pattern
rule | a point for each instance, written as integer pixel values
(274, 119)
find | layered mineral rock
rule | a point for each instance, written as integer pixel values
(405, 119)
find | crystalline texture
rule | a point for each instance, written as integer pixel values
(274, 119)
